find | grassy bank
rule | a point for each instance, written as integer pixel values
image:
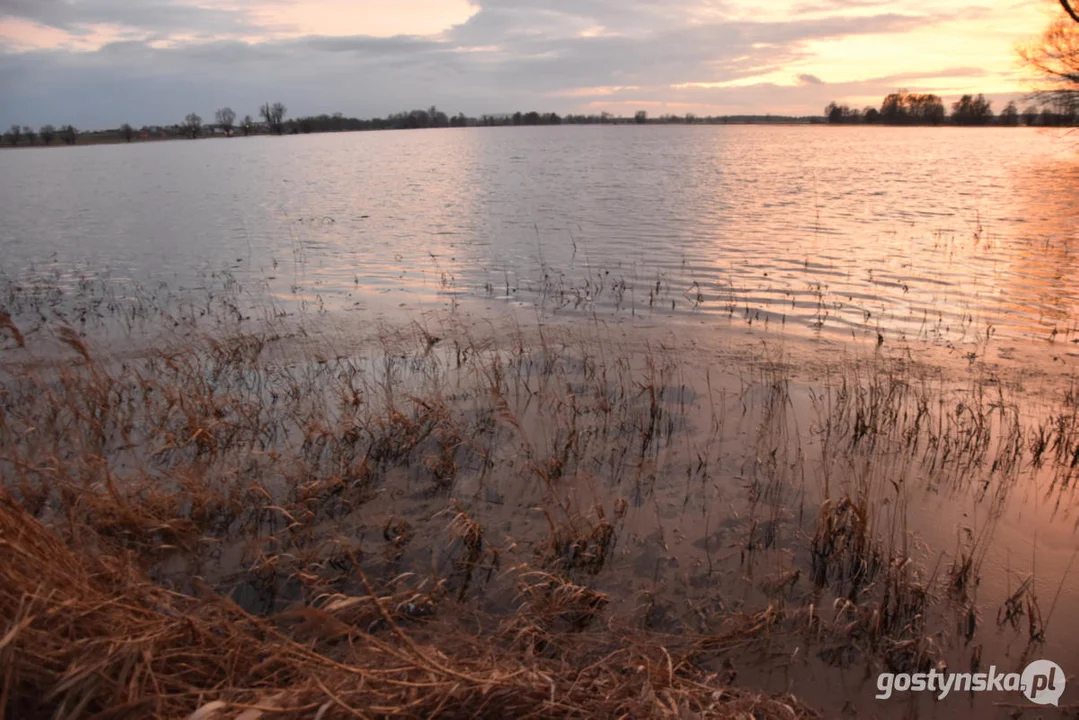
(293, 518)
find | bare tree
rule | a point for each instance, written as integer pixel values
(14, 134)
(192, 126)
(225, 119)
(69, 134)
(47, 133)
(29, 134)
(1054, 60)
(247, 125)
(127, 132)
(1010, 115)
(274, 115)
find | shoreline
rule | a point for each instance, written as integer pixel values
(627, 123)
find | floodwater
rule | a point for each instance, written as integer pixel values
(946, 234)
(951, 240)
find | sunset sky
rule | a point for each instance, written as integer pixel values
(98, 63)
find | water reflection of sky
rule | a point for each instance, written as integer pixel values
(1042, 264)
(935, 234)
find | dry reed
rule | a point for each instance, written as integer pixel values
(88, 636)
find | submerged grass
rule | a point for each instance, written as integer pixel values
(445, 519)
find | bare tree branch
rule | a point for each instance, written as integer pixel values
(1068, 9)
(1053, 63)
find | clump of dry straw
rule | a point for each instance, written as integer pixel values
(89, 636)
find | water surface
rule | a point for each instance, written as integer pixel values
(945, 234)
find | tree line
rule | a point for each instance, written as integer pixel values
(900, 108)
(46, 134)
(904, 108)
(272, 120)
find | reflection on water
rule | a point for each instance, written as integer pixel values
(1041, 272)
(950, 234)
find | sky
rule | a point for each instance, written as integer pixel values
(100, 63)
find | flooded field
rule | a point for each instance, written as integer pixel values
(764, 431)
(940, 236)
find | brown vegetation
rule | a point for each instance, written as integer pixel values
(88, 636)
(277, 520)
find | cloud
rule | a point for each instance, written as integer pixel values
(840, 6)
(586, 92)
(178, 56)
(151, 16)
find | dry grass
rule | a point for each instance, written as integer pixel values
(88, 636)
(443, 521)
